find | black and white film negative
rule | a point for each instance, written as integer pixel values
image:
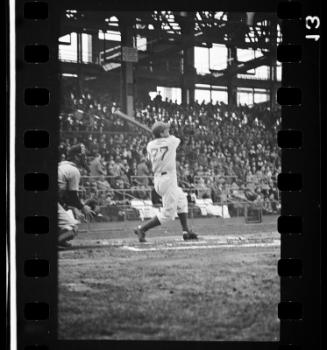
(165, 174)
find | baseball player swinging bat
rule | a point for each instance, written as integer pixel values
(162, 154)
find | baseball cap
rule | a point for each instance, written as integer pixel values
(77, 154)
(159, 127)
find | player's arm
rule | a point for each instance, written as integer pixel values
(148, 153)
(72, 188)
(72, 198)
(175, 141)
(148, 158)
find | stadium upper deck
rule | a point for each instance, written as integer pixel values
(196, 52)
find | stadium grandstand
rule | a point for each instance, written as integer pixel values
(212, 75)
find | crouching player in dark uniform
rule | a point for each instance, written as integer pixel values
(68, 181)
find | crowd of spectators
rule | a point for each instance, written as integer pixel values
(228, 153)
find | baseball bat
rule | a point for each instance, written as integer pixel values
(132, 120)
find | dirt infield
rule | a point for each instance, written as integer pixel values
(225, 287)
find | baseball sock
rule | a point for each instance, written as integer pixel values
(183, 220)
(150, 224)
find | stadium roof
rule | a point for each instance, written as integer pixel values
(209, 26)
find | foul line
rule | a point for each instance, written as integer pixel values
(275, 243)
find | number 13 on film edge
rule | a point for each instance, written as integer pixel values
(312, 23)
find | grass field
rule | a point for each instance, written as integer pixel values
(223, 287)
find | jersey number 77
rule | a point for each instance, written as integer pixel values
(157, 153)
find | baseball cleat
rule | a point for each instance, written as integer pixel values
(141, 234)
(187, 236)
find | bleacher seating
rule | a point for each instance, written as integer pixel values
(228, 155)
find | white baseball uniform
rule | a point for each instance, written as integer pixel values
(68, 179)
(162, 153)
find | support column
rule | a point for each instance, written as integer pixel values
(95, 48)
(273, 64)
(273, 89)
(79, 49)
(126, 23)
(231, 86)
(188, 70)
(188, 76)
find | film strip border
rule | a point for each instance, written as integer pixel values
(37, 127)
(298, 269)
(37, 135)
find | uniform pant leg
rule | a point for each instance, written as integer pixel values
(65, 221)
(182, 205)
(169, 194)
